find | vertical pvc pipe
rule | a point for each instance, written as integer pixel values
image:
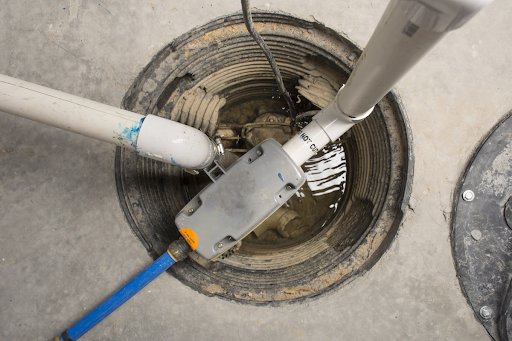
(394, 48)
(118, 298)
(406, 32)
(306, 143)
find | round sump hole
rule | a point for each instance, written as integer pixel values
(337, 226)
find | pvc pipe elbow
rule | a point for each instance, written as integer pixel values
(175, 143)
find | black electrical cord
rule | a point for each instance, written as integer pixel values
(502, 322)
(256, 36)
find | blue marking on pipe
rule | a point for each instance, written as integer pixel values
(175, 163)
(280, 177)
(132, 133)
(120, 297)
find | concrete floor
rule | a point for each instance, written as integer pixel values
(64, 243)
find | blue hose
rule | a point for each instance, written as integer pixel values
(117, 299)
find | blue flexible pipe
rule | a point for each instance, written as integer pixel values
(117, 299)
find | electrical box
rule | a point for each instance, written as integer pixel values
(239, 199)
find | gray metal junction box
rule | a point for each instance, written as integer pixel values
(239, 198)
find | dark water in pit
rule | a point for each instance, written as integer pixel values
(318, 199)
(315, 203)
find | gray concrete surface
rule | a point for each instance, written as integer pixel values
(64, 243)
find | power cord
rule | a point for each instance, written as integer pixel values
(256, 36)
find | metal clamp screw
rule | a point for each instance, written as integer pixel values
(219, 146)
(486, 312)
(220, 246)
(468, 195)
(190, 210)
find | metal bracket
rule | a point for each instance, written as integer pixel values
(215, 170)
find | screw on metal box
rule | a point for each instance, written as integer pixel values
(220, 246)
(486, 312)
(476, 234)
(191, 210)
(258, 152)
(468, 195)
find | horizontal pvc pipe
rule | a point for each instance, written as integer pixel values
(152, 136)
(118, 298)
(79, 115)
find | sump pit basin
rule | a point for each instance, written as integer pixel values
(350, 209)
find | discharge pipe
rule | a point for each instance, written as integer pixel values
(151, 136)
(406, 32)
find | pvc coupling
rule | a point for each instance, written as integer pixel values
(327, 126)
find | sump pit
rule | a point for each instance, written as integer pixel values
(353, 224)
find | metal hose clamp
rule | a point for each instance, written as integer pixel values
(179, 249)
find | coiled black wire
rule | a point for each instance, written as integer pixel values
(256, 36)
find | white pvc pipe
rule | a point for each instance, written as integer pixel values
(68, 112)
(162, 139)
(174, 143)
(407, 31)
(394, 48)
(306, 143)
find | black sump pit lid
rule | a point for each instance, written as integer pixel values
(481, 237)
